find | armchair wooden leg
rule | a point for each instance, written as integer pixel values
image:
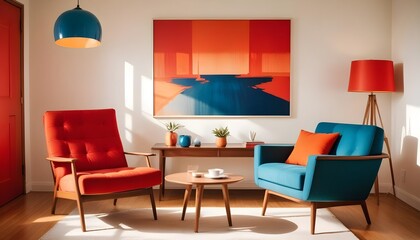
(313, 217)
(365, 211)
(265, 202)
(82, 214)
(115, 202)
(152, 201)
(54, 203)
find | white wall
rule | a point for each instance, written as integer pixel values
(326, 36)
(406, 102)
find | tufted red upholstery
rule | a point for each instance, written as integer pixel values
(92, 137)
(112, 180)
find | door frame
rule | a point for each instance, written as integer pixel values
(22, 109)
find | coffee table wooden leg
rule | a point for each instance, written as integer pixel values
(162, 163)
(226, 198)
(198, 197)
(187, 195)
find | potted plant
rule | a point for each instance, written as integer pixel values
(171, 136)
(221, 133)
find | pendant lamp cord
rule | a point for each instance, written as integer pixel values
(78, 4)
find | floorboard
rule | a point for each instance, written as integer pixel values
(29, 216)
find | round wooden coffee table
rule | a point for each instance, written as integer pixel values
(188, 180)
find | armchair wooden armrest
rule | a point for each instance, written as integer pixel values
(140, 154)
(147, 155)
(61, 159)
(334, 157)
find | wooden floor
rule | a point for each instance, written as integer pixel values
(28, 217)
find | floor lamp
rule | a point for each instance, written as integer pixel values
(373, 76)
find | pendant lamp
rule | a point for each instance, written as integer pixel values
(77, 28)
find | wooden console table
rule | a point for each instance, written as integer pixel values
(206, 150)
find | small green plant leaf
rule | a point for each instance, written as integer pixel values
(221, 132)
(172, 126)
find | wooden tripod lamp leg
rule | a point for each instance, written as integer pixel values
(372, 109)
(388, 148)
(390, 165)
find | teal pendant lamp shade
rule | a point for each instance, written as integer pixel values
(77, 28)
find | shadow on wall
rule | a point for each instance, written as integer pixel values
(411, 133)
(399, 77)
(409, 150)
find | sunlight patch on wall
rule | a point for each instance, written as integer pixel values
(129, 86)
(128, 127)
(413, 125)
(146, 89)
(128, 100)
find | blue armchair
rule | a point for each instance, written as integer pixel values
(343, 177)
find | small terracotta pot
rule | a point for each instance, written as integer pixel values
(171, 138)
(221, 141)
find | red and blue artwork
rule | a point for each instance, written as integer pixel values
(221, 68)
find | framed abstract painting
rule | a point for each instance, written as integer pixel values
(221, 68)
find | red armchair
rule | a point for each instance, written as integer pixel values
(88, 162)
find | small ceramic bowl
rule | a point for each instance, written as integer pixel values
(197, 174)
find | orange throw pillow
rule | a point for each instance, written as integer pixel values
(311, 144)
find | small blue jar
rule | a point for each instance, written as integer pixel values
(184, 140)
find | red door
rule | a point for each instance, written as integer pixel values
(11, 147)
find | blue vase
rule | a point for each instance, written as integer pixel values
(184, 140)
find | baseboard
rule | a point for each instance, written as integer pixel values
(28, 187)
(385, 188)
(42, 186)
(408, 198)
(401, 194)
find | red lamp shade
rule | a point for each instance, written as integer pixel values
(371, 76)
